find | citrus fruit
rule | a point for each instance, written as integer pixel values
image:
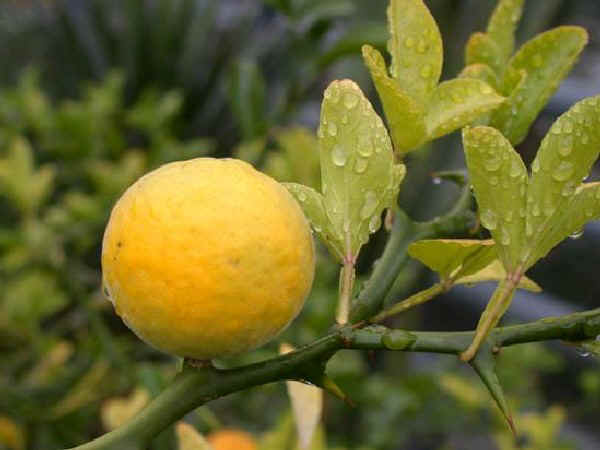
(207, 258)
(231, 440)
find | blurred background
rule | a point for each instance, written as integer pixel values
(94, 93)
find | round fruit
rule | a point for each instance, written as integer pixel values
(231, 440)
(207, 258)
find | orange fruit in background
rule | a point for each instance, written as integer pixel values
(207, 258)
(230, 439)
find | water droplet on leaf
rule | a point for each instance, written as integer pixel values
(332, 129)
(563, 171)
(361, 165)
(576, 235)
(374, 223)
(338, 156)
(350, 100)
(489, 219)
(369, 206)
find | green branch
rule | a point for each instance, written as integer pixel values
(194, 387)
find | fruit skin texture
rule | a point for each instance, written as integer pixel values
(207, 258)
(231, 440)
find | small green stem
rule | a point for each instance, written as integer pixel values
(410, 302)
(347, 275)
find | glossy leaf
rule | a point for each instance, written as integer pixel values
(447, 256)
(502, 25)
(563, 160)
(312, 204)
(481, 49)
(533, 75)
(499, 180)
(416, 48)
(569, 220)
(496, 272)
(358, 173)
(457, 103)
(405, 116)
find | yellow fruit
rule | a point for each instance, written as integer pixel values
(231, 440)
(207, 258)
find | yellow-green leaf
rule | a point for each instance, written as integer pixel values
(312, 203)
(481, 49)
(496, 272)
(416, 48)
(405, 116)
(456, 103)
(358, 174)
(450, 256)
(545, 61)
(499, 180)
(481, 72)
(563, 160)
(569, 219)
(502, 25)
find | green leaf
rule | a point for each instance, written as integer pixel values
(502, 25)
(565, 157)
(533, 75)
(406, 117)
(499, 180)
(457, 103)
(449, 256)
(416, 48)
(481, 72)
(569, 220)
(358, 173)
(481, 49)
(300, 148)
(496, 272)
(312, 203)
(352, 41)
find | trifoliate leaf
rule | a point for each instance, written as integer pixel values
(496, 272)
(499, 180)
(481, 49)
(404, 115)
(416, 48)
(502, 25)
(457, 103)
(533, 75)
(448, 256)
(565, 157)
(359, 177)
(481, 72)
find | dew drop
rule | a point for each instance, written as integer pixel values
(489, 219)
(317, 227)
(563, 171)
(492, 164)
(374, 223)
(436, 180)
(564, 151)
(485, 89)
(576, 235)
(301, 196)
(361, 165)
(515, 169)
(332, 129)
(535, 167)
(426, 71)
(505, 240)
(369, 206)
(338, 156)
(350, 100)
